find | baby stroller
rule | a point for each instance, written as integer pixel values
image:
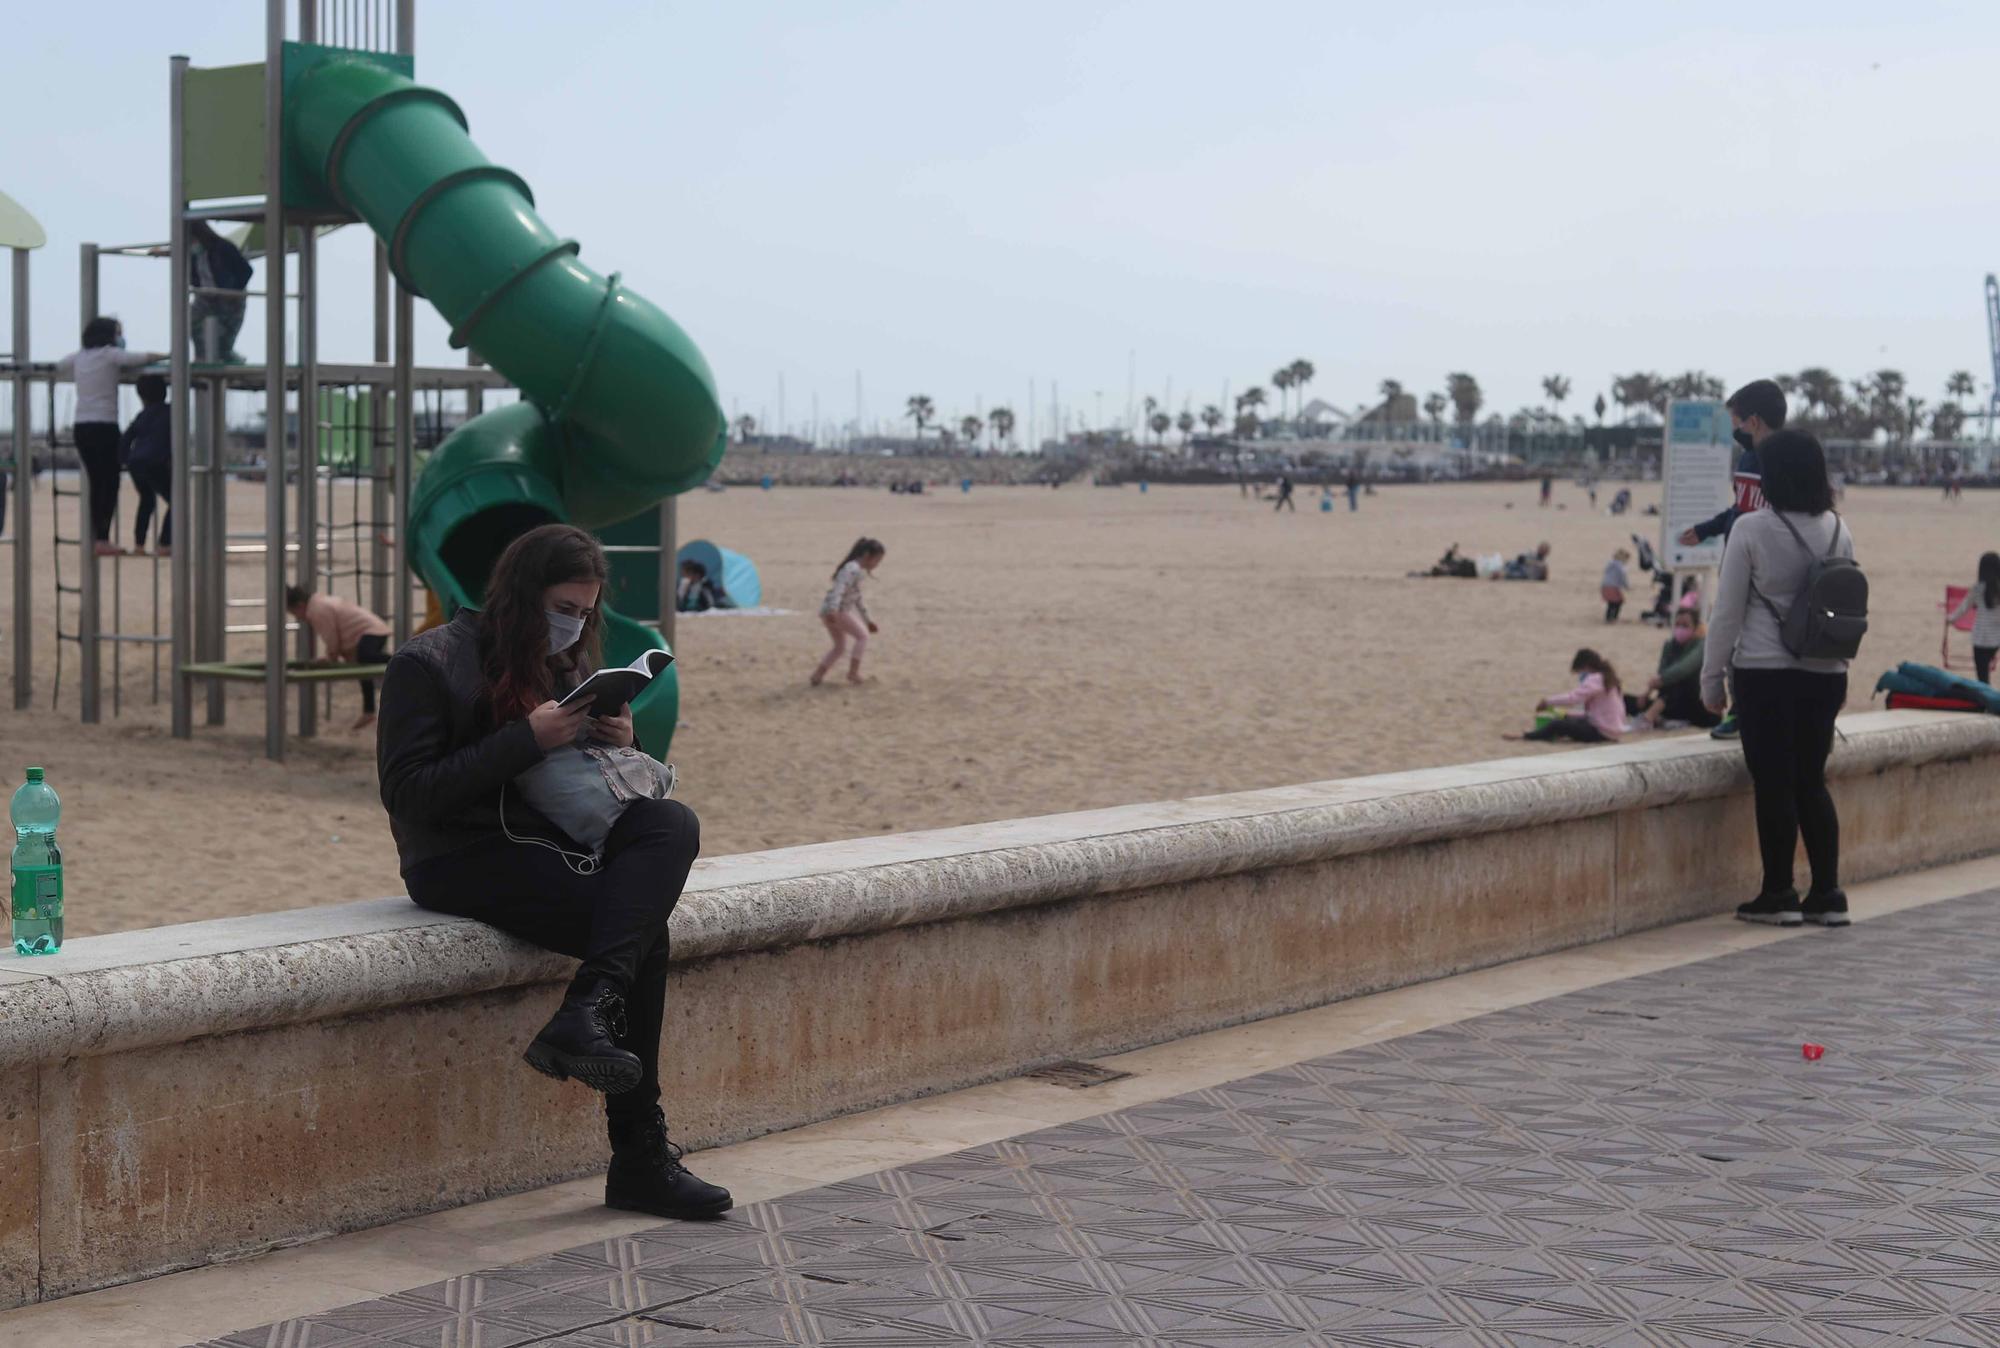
(1662, 611)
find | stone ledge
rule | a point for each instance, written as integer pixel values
(167, 985)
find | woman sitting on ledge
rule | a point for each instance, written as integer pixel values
(466, 709)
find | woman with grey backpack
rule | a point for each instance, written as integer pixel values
(1790, 610)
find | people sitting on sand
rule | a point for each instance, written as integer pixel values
(698, 592)
(1529, 565)
(1599, 698)
(1673, 696)
(348, 635)
(1621, 502)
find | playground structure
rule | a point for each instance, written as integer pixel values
(618, 411)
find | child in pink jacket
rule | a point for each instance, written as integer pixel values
(1598, 701)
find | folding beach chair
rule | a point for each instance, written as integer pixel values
(1953, 596)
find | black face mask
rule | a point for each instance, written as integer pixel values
(1745, 439)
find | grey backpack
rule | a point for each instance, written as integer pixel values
(1830, 615)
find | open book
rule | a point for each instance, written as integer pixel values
(610, 689)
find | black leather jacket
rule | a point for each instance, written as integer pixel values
(440, 764)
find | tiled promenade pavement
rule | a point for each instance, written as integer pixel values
(1647, 1162)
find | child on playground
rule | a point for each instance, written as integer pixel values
(1984, 596)
(348, 635)
(147, 451)
(1598, 692)
(845, 616)
(96, 369)
(1617, 580)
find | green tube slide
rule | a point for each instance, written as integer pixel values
(619, 408)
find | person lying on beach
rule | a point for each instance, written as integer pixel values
(1451, 565)
(1529, 566)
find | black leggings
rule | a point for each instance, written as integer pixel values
(615, 921)
(97, 446)
(1611, 608)
(1982, 662)
(1568, 728)
(1786, 717)
(369, 651)
(154, 481)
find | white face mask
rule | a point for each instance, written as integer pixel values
(564, 631)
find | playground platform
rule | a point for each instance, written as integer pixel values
(1616, 1144)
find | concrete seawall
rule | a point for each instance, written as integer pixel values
(185, 1093)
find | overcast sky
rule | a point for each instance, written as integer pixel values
(959, 199)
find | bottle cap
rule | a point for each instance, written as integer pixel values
(34, 774)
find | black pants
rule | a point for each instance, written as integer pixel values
(1284, 502)
(1786, 717)
(97, 446)
(615, 921)
(155, 482)
(1567, 728)
(1611, 608)
(1982, 662)
(370, 651)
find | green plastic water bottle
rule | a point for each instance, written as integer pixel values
(38, 879)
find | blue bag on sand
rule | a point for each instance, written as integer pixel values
(1930, 681)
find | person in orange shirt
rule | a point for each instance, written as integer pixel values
(348, 634)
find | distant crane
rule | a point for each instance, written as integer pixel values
(1993, 341)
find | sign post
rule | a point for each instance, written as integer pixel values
(1695, 470)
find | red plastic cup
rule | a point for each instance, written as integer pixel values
(1813, 1052)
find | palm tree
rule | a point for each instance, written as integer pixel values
(1251, 398)
(1960, 385)
(1302, 374)
(1390, 389)
(1000, 421)
(1639, 390)
(1184, 423)
(1152, 406)
(746, 426)
(921, 410)
(1693, 384)
(1557, 387)
(1948, 420)
(1463, 390)
(970, 427)
(1821, 388)
(1211, 417)
(1434, 405)
(1281, 380)
(1246, 425)
(1161, 423)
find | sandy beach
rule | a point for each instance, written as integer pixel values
(1040, 651)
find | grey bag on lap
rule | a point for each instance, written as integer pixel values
(583, 788)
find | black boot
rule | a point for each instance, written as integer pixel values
(647, 1174)
(578, 1042)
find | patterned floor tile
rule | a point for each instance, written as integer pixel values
(1646, 1163)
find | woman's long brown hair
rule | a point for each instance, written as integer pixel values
(514, 639)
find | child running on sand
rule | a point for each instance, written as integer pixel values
(845, 616)
(1598, 692)
(1985, 597)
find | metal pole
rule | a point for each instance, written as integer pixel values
(405, 461)
(212, 643)
(378, 481)
(274, 383)
(181, 570)
(24, 480)
(669, 568)
(308, 568)
(89, 685)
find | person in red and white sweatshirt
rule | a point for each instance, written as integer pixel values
(1755, 411)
